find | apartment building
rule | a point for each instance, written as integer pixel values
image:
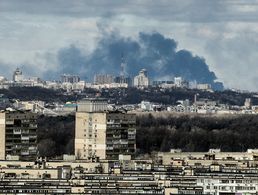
(125, 177)
(103, 134)
(141, 80)
(18, 135)
(103, 79)
(213, 155)
(67, 78)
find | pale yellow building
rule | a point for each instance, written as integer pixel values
(90, 135)
(2, 137)
(101, 134)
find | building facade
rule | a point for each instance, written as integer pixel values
(120, 134)
(18, 135)
(17, 75)
(67, 78)
(101, 134)
(103, 79)
(142, 79)
(123, 80)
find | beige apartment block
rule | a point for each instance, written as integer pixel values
(102, 134)
(2, 137)
(90, 135)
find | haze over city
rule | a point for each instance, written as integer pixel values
(49, 38)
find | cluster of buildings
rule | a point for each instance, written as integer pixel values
(198, 106)
(105, 160)
(74, 83)
(177, 172)
(206, 106)
(99, 133)
(142, 80)
(67, 82)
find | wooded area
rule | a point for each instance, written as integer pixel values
(161, 133)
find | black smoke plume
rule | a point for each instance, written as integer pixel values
(154, 52)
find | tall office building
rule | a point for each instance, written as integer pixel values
(18, 135)
(102, 134)
(142, 79)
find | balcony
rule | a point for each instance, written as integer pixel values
(33, 125)
(33, 137)
(25, 153)
(25, 138)
(9, 122)
(25, 131)
(32, 148)
(17, 131)
(120, 142)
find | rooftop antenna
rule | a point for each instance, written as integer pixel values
(122, 66)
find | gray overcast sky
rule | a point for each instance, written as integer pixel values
(224, 32)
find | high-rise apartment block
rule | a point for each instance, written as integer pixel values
(18, 131)
(17, 75)
(180, 82)
(67, 78)
(123, 79)
(102, 134)
(103, 79)
(142, 79)
(248, 103)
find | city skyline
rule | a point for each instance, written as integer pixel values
(35, 33)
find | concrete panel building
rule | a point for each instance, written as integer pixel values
(18, 135)
(67, 78)
(2, 137)
(17, 75)
(141, 80)
(102, 134)
(103, 79)
(90, 135)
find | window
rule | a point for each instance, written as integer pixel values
(224, 181)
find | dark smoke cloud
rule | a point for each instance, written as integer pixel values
(156, 53)
(71, 60)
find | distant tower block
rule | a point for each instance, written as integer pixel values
(17, 75)
(248, 103)
(141, 80)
